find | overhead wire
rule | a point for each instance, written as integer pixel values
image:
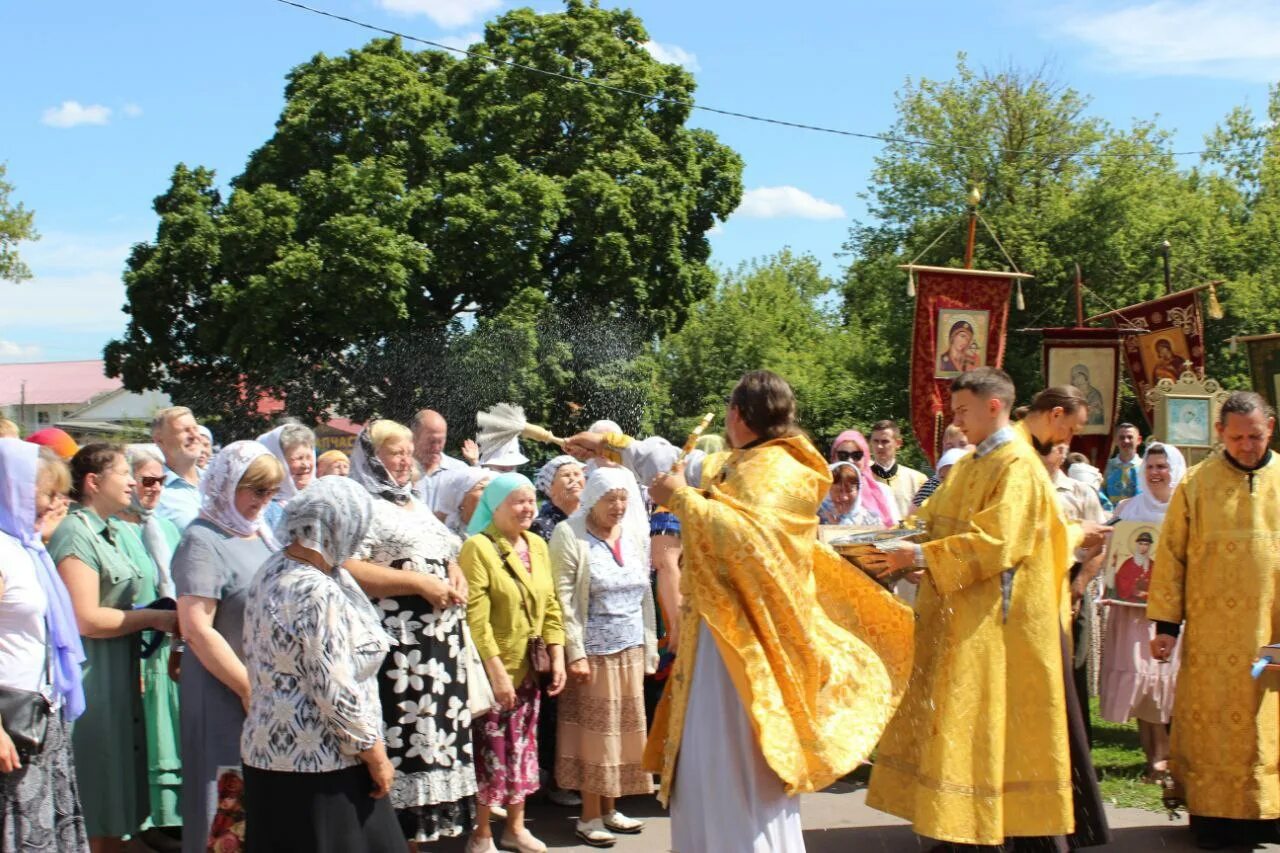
(597, 84)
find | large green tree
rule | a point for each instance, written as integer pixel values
(402, 190)
(16, 224)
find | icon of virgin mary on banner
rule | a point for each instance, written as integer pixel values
(960, 322)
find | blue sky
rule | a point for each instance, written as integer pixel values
(105, 98)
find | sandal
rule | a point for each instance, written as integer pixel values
(522, 843)
(593, 834)
(616, 821)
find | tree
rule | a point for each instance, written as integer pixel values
(402, 190)
(16, 224)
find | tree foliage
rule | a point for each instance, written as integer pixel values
(16, 224)
(402, 190)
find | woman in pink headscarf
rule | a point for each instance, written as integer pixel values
(850, 446)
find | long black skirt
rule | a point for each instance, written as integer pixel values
(317, 813)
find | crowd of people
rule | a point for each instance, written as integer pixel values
(258, 646)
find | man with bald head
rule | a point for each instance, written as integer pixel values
(429, 435)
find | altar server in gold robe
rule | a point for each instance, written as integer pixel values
(791, 661)
(980, 754)
(1215, 580)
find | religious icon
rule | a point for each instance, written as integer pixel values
(1129, 560)
(962, 341)
(1164, 354)
(1093, 371)
(1189, 421)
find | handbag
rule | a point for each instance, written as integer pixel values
(24, 714)
(539, 656)
(226, 828)
(480, 698)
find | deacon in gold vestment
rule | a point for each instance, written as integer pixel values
(816, 654)
(1215, 575)
(979, 752)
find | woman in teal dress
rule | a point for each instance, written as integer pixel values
(150, 543)
(109, 740)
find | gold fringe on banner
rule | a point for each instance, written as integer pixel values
(1215, 307)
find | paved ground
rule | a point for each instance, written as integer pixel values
(839, 821)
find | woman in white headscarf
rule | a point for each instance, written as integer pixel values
(458, 496)
(215, 562)
(295, 446)
(606, 601)
(843, 503)
(1133, 683)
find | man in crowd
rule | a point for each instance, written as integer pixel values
(1214, 581)
(985, 748)
(902, 481)
(1124, 470)
(430, 432)
(175, 431)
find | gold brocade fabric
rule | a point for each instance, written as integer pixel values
(820, 654)
(978, 750)
(1216, 568)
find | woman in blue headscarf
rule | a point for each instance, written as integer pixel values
(40, 651)
(512, 604)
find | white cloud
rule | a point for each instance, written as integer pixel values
(13, 351)
(73, 114)
(445, 13)
(1237, 39)
(786, 203)
(673, 55)
(462, 42)
(75, 286)
(131, 110)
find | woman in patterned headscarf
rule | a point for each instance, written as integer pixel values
(407, 562)
(219, 555)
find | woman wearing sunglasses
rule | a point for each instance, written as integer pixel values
(875, 498)
(219, 555)
(150, 540)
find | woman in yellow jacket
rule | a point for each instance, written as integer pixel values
(512, 601)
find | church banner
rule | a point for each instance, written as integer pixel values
(1264, 369)
(1090, 360)
(1170, 333)
(960, 323)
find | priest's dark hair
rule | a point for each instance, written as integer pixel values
(1244, 403)
(1065, 397)
(987, 383)
(766, 404)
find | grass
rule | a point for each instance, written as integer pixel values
(1119, 762)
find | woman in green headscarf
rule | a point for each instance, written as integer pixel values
(512, 601)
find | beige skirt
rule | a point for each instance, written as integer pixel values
(601, 731)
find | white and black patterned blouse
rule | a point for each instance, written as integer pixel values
(313, 644)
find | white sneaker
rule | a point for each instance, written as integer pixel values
(562, 797)
(476, 844)
(618, 822)
(594, 834)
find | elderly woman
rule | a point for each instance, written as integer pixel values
(602, 579)
(107, 588)
(458, 497)
(407, 562)
(317, 778)
(333, 463)
(850, 446)
(843, 503)
(150, 542)
(40, 652)
(206, 447)
(295, 446)
(215, 563)
(561, 480)
(514, 615)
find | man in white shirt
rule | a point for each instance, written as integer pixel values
(902, 481)
(175, 431)
(430, 432)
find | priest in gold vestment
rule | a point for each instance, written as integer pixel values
(981, 753)
(791, 661)
(1215, 580)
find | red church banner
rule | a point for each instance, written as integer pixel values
(1169, 333)
(960, 324)
(1090, 360)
